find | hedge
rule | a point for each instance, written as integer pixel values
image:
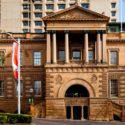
(15, 118)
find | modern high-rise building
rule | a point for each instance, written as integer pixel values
(20, 16)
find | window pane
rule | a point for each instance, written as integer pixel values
(61, 6)
(114, 88)
(61, 55)
(91, 55)
(113, 5)
(25, 30)
(38, 6)
(50, 6)
(37, 87)
(38, 23)
(113, 13)
(26, 15)
(85, 5)
(37, 58)
(114, 57)
(38, 15)
(26, 6)
(26, 23)
(38, 30)
(1, 88)
(76, 55)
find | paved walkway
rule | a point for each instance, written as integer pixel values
(67, 122)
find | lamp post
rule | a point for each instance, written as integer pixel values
(30, 100)
(18, 87)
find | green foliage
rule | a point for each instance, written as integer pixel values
(3, 119)
(15, 118)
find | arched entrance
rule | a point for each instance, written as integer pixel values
(77, 91)
(76, 97)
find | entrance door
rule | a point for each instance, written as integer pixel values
(77, 102)
(77, 112)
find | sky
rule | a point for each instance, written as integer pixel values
(123, 10)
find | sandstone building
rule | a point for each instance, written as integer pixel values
(76, 68)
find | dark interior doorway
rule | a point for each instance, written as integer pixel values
(68, 112)
(76, 112)
(77, 91)
(85, 112)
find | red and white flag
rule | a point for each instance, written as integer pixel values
(15, 59)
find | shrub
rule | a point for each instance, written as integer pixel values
(12, 119)
(3, 119)
(15, 118)
(24, 118)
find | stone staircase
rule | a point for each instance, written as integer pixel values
(118, 110)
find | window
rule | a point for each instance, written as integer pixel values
(26, 6)
(21, 88)
(37, 88)
(113, 29)
(38, 30)
(26, 23)
(113, 13)
(85, 5)
(38, 23)
(50, 6)
(114, 88)
(2, 58)
(61, 6)
(76, 55)
(113, 5)
(1, 88)
(113, 20)
(91, 55)
(25, 30)
(38, 15)
(37, 58)
(26, 15)
(61, 55)
(114, 57)
(38, 6)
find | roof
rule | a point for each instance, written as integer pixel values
(75, 12)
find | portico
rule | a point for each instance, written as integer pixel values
(91, 28)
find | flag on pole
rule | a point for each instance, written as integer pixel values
(15, 59)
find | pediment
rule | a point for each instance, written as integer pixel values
(76, 13)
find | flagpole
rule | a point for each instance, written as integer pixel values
(19, 107)
(121, 13)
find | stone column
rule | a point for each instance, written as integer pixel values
(71, 112)
(54, 48)
(82, 110)
(48, 49)
(66, 47)
(98, 47)
(86, 48)
(104, 47)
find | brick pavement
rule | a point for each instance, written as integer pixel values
(71, 122)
